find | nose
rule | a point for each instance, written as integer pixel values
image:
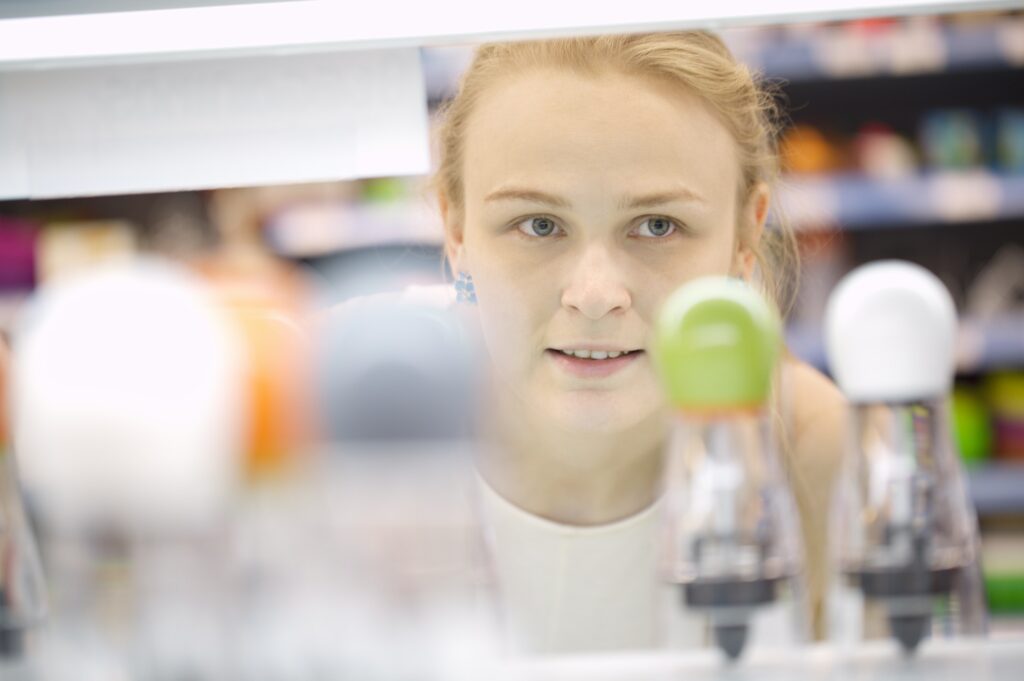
(596, 286)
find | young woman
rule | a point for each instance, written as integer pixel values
(581, 181)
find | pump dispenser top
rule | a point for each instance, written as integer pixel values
(891, 329)
(716, 345)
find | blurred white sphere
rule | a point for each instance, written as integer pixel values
(126, 399)
(891, 334)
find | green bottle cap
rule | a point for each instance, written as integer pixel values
(716, 344)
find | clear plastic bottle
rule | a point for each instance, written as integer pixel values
(905, 542)
(731, 541)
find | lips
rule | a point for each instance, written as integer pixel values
(589, 367)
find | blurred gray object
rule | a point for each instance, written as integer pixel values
(392, 370)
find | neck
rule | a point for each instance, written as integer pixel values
(575, 478)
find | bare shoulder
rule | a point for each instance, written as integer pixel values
(818, 407)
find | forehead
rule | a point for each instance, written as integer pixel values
(610, 128)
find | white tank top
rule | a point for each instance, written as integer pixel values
(566, 588)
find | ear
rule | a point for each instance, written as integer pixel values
(752, 221)
(453, 233)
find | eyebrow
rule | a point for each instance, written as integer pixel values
(641, 202)
(659, 198)
(517, 194)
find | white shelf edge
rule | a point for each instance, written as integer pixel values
(849, 201)
(980, 345)
(286, 27)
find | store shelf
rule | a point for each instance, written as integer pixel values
(981, 345)
(997, 488)
(854, 201)
(319, 230)
(910, 47)
(827, 53)
(272, 27)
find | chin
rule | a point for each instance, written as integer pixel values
(599, 412)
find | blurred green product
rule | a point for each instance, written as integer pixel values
(716, 344)
(972, 426)
(1005, 592)
(385, 190)
(1004, 393)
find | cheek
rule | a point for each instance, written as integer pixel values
(712, 256)
(514, 308)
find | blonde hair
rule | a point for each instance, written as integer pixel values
(695, 60)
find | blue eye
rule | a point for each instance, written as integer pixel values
(656, 227)
(537, 226)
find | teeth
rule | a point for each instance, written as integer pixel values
(592, 354)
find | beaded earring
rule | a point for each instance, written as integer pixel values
(465, 292)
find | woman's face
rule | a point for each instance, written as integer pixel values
(587, 201)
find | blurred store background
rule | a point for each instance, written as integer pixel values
(905, 140)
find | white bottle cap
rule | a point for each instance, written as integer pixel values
(890, 332)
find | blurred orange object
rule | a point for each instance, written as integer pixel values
(266, 308)
(267, 300)
(805, 149)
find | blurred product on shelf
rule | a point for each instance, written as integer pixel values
(866, 47)
(17, 254)
(67, 248)
(175, 226)
(1010, 140)
(1002, 550)
(730, 539)
(859, 201)
(126, 383)
(396, 530)
(998, 289)
(879, 152)
(883, 47)
(268, 301)
(907, 533)
(877, 47)
(951, 139)
(376, 212)
(1004, 392)
(389, 368)
(806, 150)
(385, 189)
(972, 425)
